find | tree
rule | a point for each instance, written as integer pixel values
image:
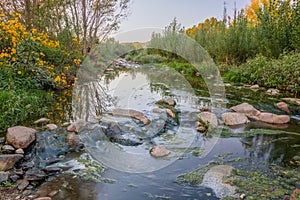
(91, 21)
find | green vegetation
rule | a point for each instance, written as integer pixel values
(282, 73)
(269, 28)
(42, 46)
(272, 184)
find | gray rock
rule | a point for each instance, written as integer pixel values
(51, 127)
(20, 136)
(233, 118)
(4, 176)
(247, 109)
(35, 175)
(41, 120)
(213, 178)
(159, 151)
(8, 161)
(210, 118)
(22, 184)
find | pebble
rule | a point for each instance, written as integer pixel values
(19, 151)
(51, 127)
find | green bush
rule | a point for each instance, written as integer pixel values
(282, 73)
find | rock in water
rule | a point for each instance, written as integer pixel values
(232, 118)
(20, 136)
(8, 161)
(76, 126)
(159, 151)
(213, 178)
(208, 117)
(247, 109)
(51, 127)
(131, 113)
(283, 106)
(273, 118)
(294, 100)
(170, 113)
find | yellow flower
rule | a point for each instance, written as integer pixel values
(57, 79)
(19, 72)
(42, 54)
(13, 51)
(77, 61)
(67, 67)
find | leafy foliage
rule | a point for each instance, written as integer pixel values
(282, 73)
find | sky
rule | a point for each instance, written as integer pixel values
(148, 16)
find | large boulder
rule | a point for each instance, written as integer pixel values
(20, 136)
(208, 117)
(8, 161)
(213, 179)
(233, 118)
(130, 113)
(273, 118)
(247, 109)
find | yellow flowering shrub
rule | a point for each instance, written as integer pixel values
(33, 54)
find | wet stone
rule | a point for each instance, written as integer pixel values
(159, 151)
(14, 178)
(35, 175)
(19, 172)
(4, 176)
(51, 169)
(22, 184)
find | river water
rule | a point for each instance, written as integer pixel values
(136, 174)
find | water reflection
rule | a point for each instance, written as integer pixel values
(277, 149)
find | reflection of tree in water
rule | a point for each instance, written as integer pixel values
(273, 148)
(90, 100)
